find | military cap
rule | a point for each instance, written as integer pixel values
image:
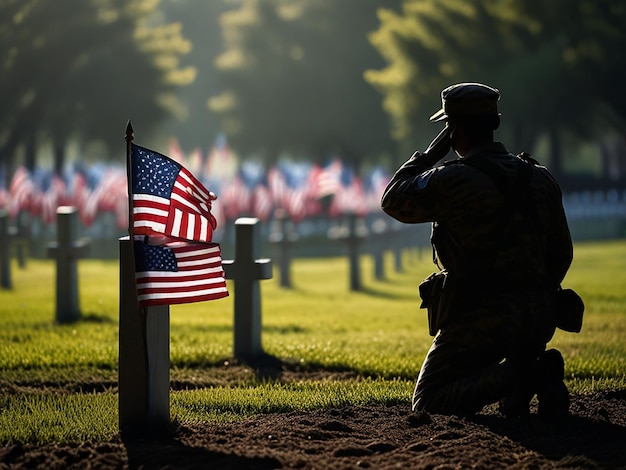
(465, 99)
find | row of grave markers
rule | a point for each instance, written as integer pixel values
(68, 248)
(144, 333)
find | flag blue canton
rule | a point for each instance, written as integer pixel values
(153, 173)
(296, 174)
(154, 258)
(252, 173)
(347, 176)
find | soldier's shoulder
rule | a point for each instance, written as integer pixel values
(454, 169)
(542, 175)
(525, 156)
(459, 177)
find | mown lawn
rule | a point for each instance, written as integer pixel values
(58, 382)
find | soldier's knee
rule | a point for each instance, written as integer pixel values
(426, 399)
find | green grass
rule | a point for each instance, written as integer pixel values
(58, 382)
(224, 403)
(50, 417)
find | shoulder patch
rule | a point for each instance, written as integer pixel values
(424, 178)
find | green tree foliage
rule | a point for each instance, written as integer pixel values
(556, 63)
(292, 79)
(80, 68)
(198, 127)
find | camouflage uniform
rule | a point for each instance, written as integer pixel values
(504, 256)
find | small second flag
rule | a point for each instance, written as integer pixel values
(176, 272)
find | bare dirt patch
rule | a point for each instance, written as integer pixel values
(376, 436)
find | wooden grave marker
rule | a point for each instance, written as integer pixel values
(5, 251)
(144, 356)
(247, 269)
(144, 334)
(353, 236)
(379, 240)
(66, 251)
(283, 237)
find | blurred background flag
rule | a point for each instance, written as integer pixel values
(167, 199)
(327, 180)
(254, 176)
(20, 190)
(296, 176)
(176, 272)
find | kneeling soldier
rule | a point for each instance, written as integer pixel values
(501, 239)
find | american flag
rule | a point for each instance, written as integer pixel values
(168, 199)
(327, 180)
(21, 190)
(235, 198)
(253, 176)
(350, 199)
(175, 152)
(55, 196)
(262, 203)
(289, 187)
(177, 272)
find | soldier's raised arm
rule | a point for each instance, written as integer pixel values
(408, 187)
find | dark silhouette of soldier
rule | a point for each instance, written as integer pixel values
(501, 240)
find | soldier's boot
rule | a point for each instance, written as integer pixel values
(544, 378)
(552, 393)
(523, 387)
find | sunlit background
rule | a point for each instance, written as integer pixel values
(304, 107)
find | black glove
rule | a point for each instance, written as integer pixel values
(440, 146)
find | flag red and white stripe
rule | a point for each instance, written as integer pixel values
(174, 203)
(178, 272)
(21, 190)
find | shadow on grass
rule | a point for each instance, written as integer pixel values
(383, 294)
(86, 318)
(273, 369)
(285, 329)
(95, 318)
(266, 366)
(367, 290)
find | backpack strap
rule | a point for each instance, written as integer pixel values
(515, 192)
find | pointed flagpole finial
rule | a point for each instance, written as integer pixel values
(129, 176)
(129, 131)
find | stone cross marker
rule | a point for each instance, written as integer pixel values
(379, 238)
(398, 247)
(352, 235)
(144, 356)
(247, 270)
(20, 234)
(66, 251)
(5, 251)
(283, 236)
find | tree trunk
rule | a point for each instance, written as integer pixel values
(30, 152)
(556, 157)
(58, 145)
(524, 138)
(9, 157)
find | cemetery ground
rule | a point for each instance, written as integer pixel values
(333, 390)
